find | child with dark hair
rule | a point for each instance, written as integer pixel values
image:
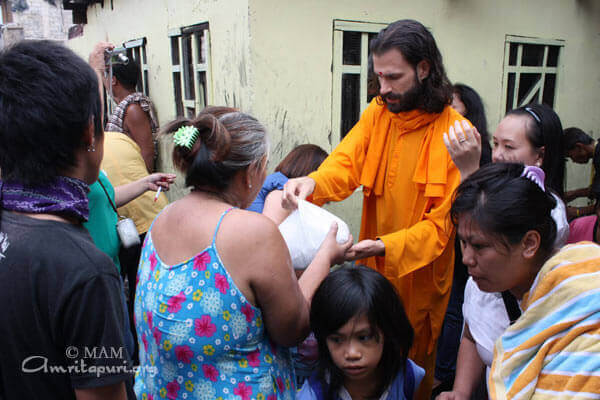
(301, 161)
(364, 337)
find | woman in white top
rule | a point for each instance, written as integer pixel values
(531, 135)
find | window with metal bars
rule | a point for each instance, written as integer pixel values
(190, 60)
(136, 50)
(531, 71)
(351, 90)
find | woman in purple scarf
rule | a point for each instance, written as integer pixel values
(61, 323)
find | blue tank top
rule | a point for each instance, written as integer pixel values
(199, 336)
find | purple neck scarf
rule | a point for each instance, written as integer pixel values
(65, 197)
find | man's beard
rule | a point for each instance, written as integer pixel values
(407, 101)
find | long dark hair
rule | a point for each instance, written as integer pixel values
(301, 161)
(545, 130)
(417, 44)
(475, 109)
(351, 291)
(505, 205)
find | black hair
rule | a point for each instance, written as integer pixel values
(351, 291)
(475, 109)
(127, 74)
(228, 141)
(417, 44)
(506, 205)
(544, 129)
(48, 97)
(574, 135)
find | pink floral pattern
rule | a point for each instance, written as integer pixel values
(210, 372)
(149, 313)
(201, 261)
(243, 390)
(191, 319)
(280, 384)
(156, 334)
(174, 303)
(248, 312)
(172, 389)
(145, 341)
(153, 261)
(254, 358)
(221, 283)
(204, 326)
(184, 354)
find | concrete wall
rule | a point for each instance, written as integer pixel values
(228, 25)
(292, 54)
(273, 59)
(42, 20)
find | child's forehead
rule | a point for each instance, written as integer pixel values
(357, 323)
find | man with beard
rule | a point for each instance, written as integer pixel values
(396, 152)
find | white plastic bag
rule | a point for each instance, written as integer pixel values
(305, 229)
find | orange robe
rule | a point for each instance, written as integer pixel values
(408, 180)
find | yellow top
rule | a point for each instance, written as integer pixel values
(123, 163)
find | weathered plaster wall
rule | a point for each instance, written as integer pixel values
(292, 54)
(131, 19)
(42, 19)
(273, 59)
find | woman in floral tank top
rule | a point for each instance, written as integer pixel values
(217, 298)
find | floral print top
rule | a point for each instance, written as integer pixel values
(199, 336)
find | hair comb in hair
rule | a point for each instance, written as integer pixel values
(535, 174)
(186, 136)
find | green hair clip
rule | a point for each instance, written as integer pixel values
(186, 136)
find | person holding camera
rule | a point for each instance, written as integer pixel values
(134, 115)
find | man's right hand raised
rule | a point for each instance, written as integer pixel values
(296, 189)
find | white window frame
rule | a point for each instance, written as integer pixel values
(518, 69)
(338, 68)
(199, 101)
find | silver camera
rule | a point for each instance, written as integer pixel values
(116, 56)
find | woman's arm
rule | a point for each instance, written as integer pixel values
(257, 250)
(137, 123)
(273, 208)
(125, 193)
(469, 369)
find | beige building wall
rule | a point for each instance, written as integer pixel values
(152, 19)
(292, 46)
(42, 20)
(273, 59)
